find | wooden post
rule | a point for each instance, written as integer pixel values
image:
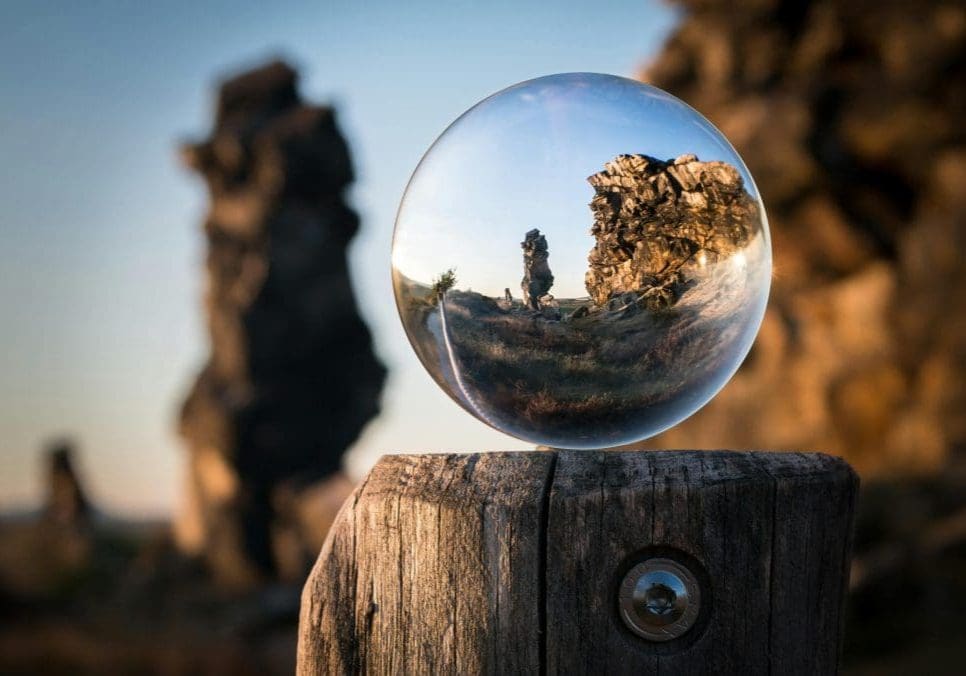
(532, 563)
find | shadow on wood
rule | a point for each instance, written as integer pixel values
(512, 563)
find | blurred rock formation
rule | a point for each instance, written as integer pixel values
(850, 118)
(44, 553)
(537, 278)
(654, 220)
(67, 501)
(292, 378)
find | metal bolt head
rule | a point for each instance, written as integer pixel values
(659, 599)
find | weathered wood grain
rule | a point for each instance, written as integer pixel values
(509, 563)
(433, 566)
(768, 532)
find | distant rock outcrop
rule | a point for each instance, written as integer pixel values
(537, 278)
(654, 220)
(292, 378)
(67, 502)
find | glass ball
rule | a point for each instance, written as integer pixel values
(581, 261)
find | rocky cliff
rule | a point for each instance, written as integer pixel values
(654, 220)
(291, 379)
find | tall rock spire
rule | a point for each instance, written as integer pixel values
(537, 278)
(291, 378)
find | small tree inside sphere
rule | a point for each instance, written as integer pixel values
(444, 283)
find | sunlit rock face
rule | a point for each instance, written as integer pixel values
(291, 378)
(657, 223)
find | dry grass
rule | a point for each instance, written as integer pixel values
(606, 378)
(558, 379)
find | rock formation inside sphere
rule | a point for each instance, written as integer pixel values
(537, 278)
(292, 378)
(656, 221)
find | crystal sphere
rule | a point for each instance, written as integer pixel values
(581, 261)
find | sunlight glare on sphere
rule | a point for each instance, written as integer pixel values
(581, 261)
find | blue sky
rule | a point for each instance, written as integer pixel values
(100, 244)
